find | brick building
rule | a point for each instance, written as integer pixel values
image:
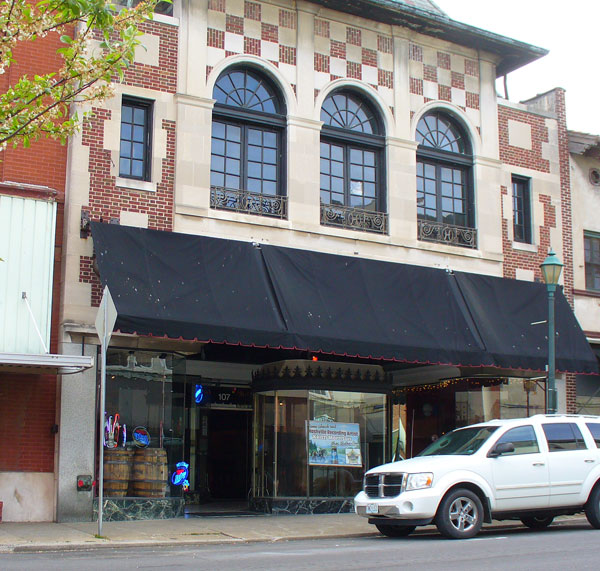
(309, 221)
(32, 193)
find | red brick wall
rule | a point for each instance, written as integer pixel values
(27, 414)
(28, 402)
(88, 275)
(532, 159)
(565, 194)
(106, 200)
(567, 228)
(518, 259)
(164, 76)
(44, 163)
(527, 158)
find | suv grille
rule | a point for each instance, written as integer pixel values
(383, 485)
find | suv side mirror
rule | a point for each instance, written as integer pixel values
(501, 448)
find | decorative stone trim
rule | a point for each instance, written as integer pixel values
(135, 509)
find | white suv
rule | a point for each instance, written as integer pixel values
(531, 469)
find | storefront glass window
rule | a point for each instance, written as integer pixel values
(265, 445)
(290, 426)
(514, 398)
(317, 443)
(588, 395)
(147, 398)
(433, 410)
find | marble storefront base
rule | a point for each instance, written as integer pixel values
(298, 506)
(129, 509)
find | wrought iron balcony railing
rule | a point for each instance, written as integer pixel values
(447, 234)
(354, 218)
(248, 202)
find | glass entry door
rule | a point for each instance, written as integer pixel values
(220, 441)
(228, 454)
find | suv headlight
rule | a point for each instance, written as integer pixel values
(419, 481)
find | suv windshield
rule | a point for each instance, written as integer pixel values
(462, 441)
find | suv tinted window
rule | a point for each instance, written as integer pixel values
(595, 430)
(523, 438)
(461, 441)
(563, 436)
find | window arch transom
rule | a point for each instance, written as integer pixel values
(248, 90)
(438, 131)
(347, 110)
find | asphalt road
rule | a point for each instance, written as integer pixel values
(574, 545)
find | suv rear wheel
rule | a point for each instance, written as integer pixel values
(592, 508)
(537, 522)
(395, 530)
(460, 515)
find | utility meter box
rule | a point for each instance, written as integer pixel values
(84, 483)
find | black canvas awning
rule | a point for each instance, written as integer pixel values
(225, 291)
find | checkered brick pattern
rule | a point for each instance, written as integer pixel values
(444, 76)
(269, 32)
(246, 27)
(346, 51)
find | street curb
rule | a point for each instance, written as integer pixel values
(224, 539)
(171, 543)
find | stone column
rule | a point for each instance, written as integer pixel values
(76, 437)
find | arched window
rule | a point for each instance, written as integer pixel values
(352, 164)
(444, 181)
(247, 166)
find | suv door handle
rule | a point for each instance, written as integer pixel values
(590, 461)
(540, 463)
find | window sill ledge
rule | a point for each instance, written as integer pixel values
(524, 247)
(586, 292)
(133, 184)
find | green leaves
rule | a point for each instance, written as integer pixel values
(97, 44)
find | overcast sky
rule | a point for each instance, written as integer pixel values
(570, 29)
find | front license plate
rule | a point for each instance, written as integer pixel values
(372, 509)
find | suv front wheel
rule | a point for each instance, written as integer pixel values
(460, 515)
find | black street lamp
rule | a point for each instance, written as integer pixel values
(551, 268)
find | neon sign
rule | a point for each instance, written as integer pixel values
(141, 436)
(180, 475)
(199, 394)
(113, 431)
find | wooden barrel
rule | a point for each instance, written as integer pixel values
(117, 471)
(149, 473)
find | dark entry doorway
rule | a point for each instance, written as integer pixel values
(229, 438)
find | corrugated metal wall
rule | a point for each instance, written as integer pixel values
(27, 229)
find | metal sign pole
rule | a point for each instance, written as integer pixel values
(101, 425)
(105, 322)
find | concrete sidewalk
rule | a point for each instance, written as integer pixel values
(15, 537)
(194, 530)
